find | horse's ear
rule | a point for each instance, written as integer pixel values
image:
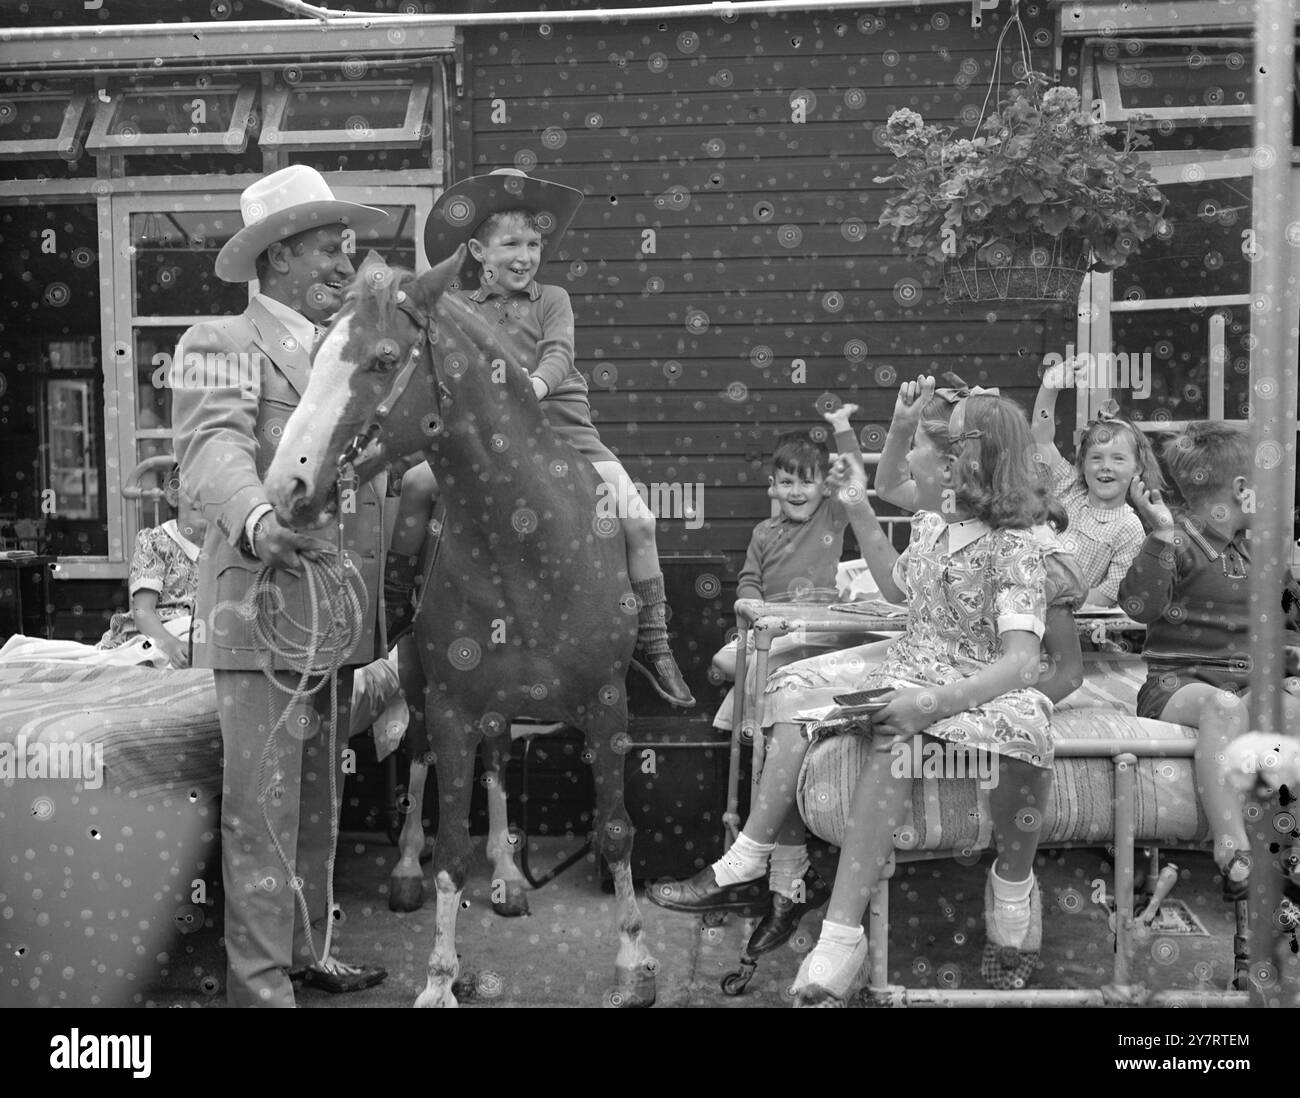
(373, 259)
(434, 283)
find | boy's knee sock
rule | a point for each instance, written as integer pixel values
(652, 623)
(787, 868)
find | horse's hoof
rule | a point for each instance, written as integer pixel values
(432, 1000)
(634, 987)
(405, 893)
(515, 905)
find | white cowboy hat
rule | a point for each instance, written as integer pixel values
(284, 203)
(465, 206)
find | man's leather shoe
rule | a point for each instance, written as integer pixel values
(783, 916)
(340, 978)
(702, 893)
(666, 678)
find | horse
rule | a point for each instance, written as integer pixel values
(529, 609)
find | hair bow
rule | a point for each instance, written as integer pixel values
(956, 393)
(958, 390)
(1107, 413)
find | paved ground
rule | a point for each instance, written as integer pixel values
(563, 954)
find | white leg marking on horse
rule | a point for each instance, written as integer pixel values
(500, 850)
(410, 843)
(443, 965)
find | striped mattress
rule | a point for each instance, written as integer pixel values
(158, 729)
(952, 814)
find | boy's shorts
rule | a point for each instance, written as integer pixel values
(570, 418)
(1163, 683)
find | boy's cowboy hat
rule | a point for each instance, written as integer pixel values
(286, 202)
(465, 206)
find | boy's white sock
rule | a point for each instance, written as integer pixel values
(787, 868)
(1011, 907)
(745, 861)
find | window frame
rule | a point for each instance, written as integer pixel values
(234, 140)
(66, 145)
(1095, 328)
(1109, 90)
(275, 107)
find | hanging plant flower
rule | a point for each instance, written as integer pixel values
(1040, 180)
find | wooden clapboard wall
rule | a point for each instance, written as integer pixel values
(726, 270)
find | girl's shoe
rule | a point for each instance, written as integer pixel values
(824, 983)
(1004, 966)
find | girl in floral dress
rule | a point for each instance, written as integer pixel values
(964, 672)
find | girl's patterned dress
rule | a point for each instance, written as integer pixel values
(960, 602)
(164, 561)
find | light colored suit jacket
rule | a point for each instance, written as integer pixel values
(225, 437)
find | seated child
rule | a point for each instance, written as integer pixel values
(793, 556)
(1190, 586)
(162, 583)
(1105, 533)
(515, 220)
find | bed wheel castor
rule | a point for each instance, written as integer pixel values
(734, 983)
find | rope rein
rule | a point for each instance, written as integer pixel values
(337, 604)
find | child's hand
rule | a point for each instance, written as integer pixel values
(847, 479)
(1150, 505)
(905, 715)
(539, 387)
(912, 398)
(176, 652)
(1067, 374)
(839, 419)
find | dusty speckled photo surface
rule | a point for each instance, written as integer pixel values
(730, 505)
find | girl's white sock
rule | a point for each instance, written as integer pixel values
(829, 961)
(787, 868)
(745, 861)
(1011, 907)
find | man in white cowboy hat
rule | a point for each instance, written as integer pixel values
(236, 382)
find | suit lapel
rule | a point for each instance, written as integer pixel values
(290, 356)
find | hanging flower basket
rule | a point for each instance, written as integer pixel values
(1050, 271)
(1024, 207)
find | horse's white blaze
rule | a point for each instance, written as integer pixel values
(305, 445)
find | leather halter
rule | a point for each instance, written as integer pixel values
(424, 326)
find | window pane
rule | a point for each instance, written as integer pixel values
(1202, 254)
(152, 509)
(180, 111)
(356, 109)
(51, 375)
(32, 116)
(1169, 354)
(173, 253)
(153, 406)
(1185, 76)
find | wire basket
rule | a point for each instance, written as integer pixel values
(1028, 273)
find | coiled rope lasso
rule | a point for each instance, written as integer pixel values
(337, 603)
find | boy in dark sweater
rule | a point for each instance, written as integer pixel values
(1190, 586)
